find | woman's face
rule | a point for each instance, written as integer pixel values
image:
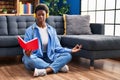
(41, 16)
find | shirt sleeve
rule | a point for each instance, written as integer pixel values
(58, 47)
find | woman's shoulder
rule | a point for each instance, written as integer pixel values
(50, 27)
(31, 27)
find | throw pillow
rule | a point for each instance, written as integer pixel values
(76, 24)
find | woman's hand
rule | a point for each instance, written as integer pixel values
(76, 48)
(28, 52)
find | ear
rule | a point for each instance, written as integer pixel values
(47, 15)
(34, 15)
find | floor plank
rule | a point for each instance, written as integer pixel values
(105, 69)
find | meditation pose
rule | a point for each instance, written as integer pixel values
(50, 57)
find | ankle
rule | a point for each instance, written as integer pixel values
(49, 70)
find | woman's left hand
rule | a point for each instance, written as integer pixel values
(76, 48)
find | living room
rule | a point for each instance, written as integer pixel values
(99, 58)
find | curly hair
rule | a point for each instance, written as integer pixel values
(42, 7)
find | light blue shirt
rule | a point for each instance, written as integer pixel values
(54, 48)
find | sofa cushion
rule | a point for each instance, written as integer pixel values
(3, 25)
(56, 22)
(8, 41)
(92, 42)
(77, 24)
(18, 24)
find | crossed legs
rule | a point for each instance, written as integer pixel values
(48, 66)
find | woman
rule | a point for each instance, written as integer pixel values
(51, 56)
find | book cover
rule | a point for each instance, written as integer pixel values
(29, 45)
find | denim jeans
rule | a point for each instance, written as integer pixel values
(45, 62)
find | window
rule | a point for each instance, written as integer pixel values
(118, 4)
(100, 4)
(109, 29)
(92, 17)
(109, 17)
(91, 4)
(100, 17)
(117, 30)
(110, 4)
(84, 5)
(118, 17)
(106, 12)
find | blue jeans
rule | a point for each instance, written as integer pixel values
(45, 62)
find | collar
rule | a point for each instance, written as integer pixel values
(36, 26)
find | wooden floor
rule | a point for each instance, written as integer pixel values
(105, 69)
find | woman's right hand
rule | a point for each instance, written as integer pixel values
(76, 48)
(28, 52)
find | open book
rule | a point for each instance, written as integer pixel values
(29, 45)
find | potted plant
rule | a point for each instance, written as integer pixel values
(57, 7)
(4, 10)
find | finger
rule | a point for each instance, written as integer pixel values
(29, 50)
(76, 45)
(80, 46)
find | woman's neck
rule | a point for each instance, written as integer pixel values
(41, 25)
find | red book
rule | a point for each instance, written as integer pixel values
(29, 45)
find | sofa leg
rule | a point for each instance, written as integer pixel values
(18, 58)
(91, 64)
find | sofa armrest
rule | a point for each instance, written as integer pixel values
(97, 28)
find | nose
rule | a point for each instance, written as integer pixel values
(40, 16)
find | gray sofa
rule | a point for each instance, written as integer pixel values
(10, 27)
(95, 46)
